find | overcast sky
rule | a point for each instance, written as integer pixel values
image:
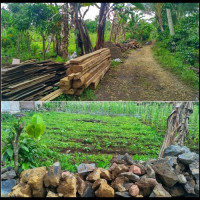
(92, 13)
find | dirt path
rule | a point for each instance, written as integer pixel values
(141, 78)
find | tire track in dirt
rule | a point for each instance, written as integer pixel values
(141, 78)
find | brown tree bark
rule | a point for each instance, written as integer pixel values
(102, 23)
(15, 144)
(177, 125)
(65, 31)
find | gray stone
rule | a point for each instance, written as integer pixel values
(194, 169)
(88, 192)
(150, 172)
(128, 159)
(173, 150)
(187, 158)
(52, 178)
(182, 179)
(131, 176)
(122, 194)
(176, 191)
(196, 189)
(189, 188)
(8, 175)
(173, 161)
(185, 149)
(3, 170)
(180, 168)
(165, 172)
(85, 168)
(159, 191)
(6, 187)
(128, 185)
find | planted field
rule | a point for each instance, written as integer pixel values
(109, 129)
(73, 139)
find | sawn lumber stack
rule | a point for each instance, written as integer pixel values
(84, 71)
(31, 80)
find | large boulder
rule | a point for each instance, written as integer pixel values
(8, 175)
(95, 175)
(105, 174)
(165, 172)
(134, 190)
(52, 178)
(187, 158)
(131, 176)
(105, 191)
(118, 184)
(146, 185)
(116, 169)
(159, 191)
(85, 168)
(21, 190)
(34, 178)
(176, 191)
(97, 183)
(67, 186)
(173, 150)
(6, 187)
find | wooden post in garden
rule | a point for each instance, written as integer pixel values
(177, 123)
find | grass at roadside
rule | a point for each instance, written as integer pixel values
(175, 65)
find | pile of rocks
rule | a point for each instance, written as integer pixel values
(176, 174)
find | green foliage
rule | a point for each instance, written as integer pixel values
(36, 128)
(175, 64)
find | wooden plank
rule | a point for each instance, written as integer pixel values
(70, 91)
(71, 76)
(96, 81)
(52, 95)
(65, 81)
(65, 87)
(86, 56)
(80, 90)
(68, 72)
(90, 63)
(86, 84)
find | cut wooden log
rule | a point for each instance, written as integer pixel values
(68, 71)
(96, 81)
(71, 76)
(84, 57)
(86, 84)
(89, 64)
(70, 91)
(65, 81)
(80, 90)
(65, 87)
(52, 95)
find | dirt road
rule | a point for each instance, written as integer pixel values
(141, 78)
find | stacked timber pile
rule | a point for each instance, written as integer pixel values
(129, 44)
(85, 70)
(31, 80)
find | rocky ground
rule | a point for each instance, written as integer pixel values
(174, 175)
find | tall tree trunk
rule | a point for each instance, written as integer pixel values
(65, 31)
(112, 27)
(15, 144)
(43, 42)
(83, 43)
(49, 43)
(160, 24)
(102, 23)
(170, 22)
(177, 123)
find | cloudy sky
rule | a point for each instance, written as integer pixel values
(92, 13)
